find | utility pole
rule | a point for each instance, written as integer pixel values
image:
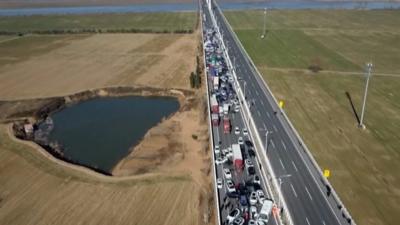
(368, 73)
(265, 19)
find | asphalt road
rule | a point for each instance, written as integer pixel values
(225, 141)
(304, 193)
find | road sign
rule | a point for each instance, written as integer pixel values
(281, 104)
(327, 173)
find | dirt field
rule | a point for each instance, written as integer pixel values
(165, 180)
(45, 66)
(54, 194)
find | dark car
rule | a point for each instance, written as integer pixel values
(249, 144)
(251, 170)
(243, 200)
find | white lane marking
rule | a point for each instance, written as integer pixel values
(323, 222)
(276, 130)
(267, 113)
(272, 143)
(283, 144)
(265, 127)
(294, 191)
(295, 167)
(308, 222)
(281, 163)
(259, 114)
(257, 93)
(262, 103)
(309, 195)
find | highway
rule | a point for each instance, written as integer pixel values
(225, 141)
(304, 191)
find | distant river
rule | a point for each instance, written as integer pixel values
(170, 7)
(174, 7)
(98, 133)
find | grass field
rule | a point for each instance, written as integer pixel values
(296, 39)
(364, 163)
(53, 194)
(54, 65)
(148, 22)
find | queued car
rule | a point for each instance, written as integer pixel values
(237, 130)
(243, 200)
(235, 213)
(245, 132)
(257, 180)
(230, 186)
(219, 183)
(253, 212)
(240, 141)
(227, 173)
(253, 198)
(238, 221)
(221, 160)
(217, 150)
(260, 196)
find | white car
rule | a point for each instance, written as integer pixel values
(233, 215)
(230, 152)
(230, 186)
(240, 141)
(237, 130)
(260, 196)
(253, 213)
(245, 132)
(248, 163)
(219, 183)
(238, 221)
(252, 222)
(225, 151)
(253, 198)
(217, 150)
(221, 160)
(227, 174)
(237, 108)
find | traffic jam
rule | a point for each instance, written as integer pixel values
(243, 198)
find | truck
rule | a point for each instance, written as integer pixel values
(237, 156)
(265, 211)
(226, 108)
(216, 83)
(214, 104)
(227, 125)
(215, 119)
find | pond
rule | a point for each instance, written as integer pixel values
(98, 133)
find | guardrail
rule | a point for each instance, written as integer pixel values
(253, 128)
(290, 127)
(218, 217)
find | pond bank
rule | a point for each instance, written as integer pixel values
(36, 110)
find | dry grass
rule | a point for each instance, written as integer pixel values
(35, 190)
(44, 66)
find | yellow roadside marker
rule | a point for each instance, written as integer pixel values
(281, 104)
(327, 173)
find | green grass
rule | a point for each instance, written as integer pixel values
(364, 163)
(291, 48)
(149, 22)
(339, 40)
